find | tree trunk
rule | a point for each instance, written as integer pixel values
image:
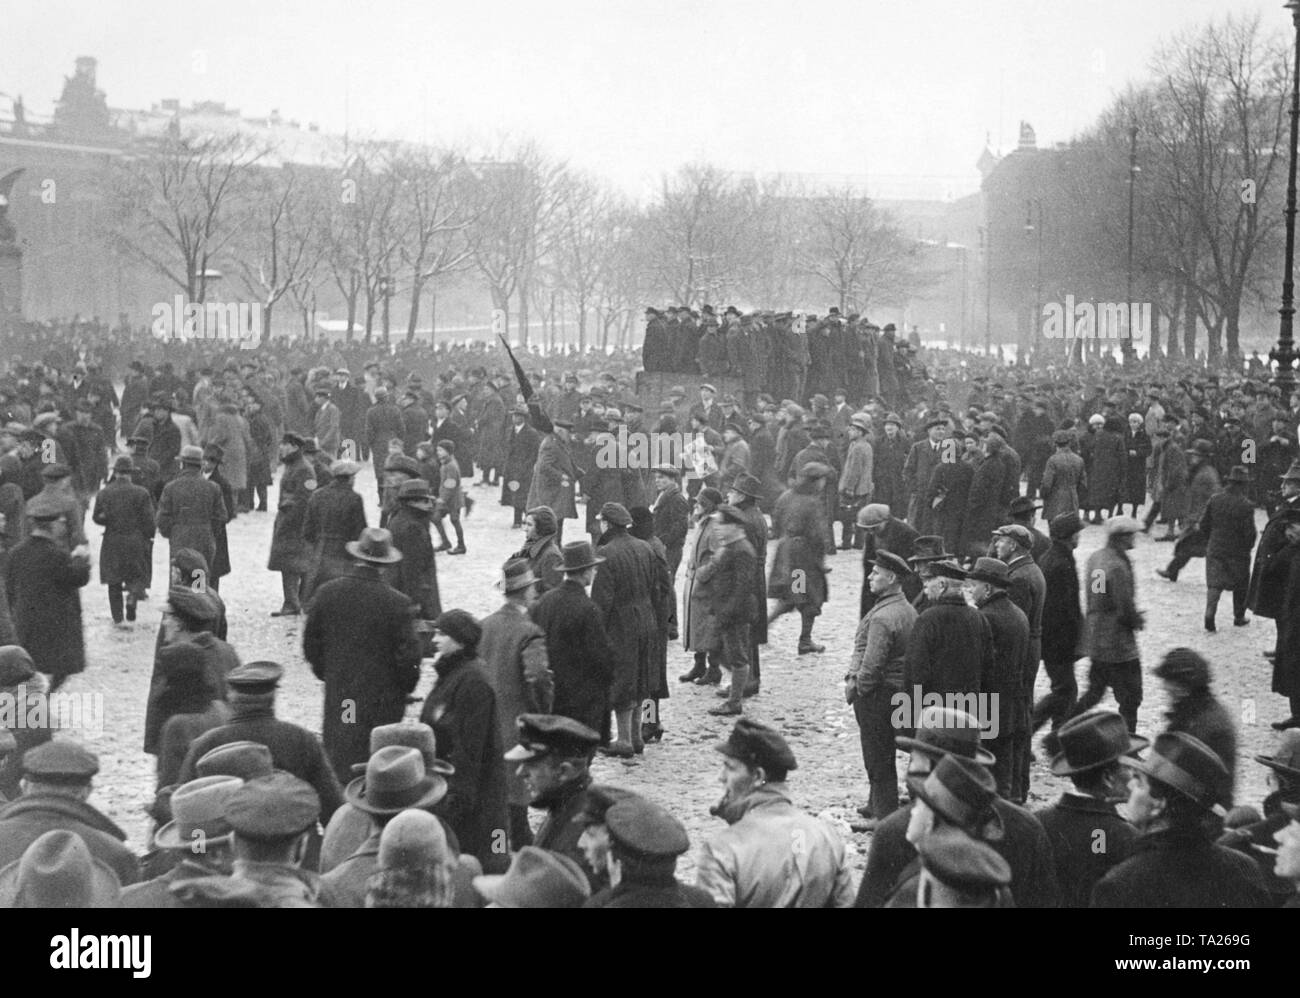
(417, 286)
(433, 313)
(1233, 337)
(1214, 342)
(352, 314)
(266, 322)
(1189, 326)
(582, 325)
(523, 316)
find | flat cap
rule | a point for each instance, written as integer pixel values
(600, 797)
(256, 677)
(616, 513)
(892, 563)
(954, 858)
(756, 744)
(60, 761)
(645, 830)
(545, 734)
(279, 806)
(53, 472)
(1017, 533)
(245, 759)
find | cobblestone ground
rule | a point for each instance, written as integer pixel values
(801, 695)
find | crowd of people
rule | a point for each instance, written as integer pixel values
(936, 472)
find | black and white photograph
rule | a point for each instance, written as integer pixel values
(735, 454)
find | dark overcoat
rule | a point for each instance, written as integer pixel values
(1169, 869)
(798, 574)
(554, 476)
(42, 582)
(335, 515)
(1062, 611)
(624, 591)
(125, 511)
(416, 575)
(578, 651)
(462, 710)
(1228, 523)
(25, 820)
(360, 640)
(189, 512)
(1264, 601)
(950, 648)
(521, 455)
(1087, 837)
(289, 551)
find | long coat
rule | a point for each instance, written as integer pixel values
(1281, 579)
(125, 511)
(221, 557)
(489, 431)
(520, 456)
(1264, 601)
(698, 630)
(42, 582)
(1171, 870)
(416, 575)
(462, 711)
(1137, 447)
(889, 458)
(986, 508)
(1063, 481)
(513, 652)
(1112, 616)
(756, 534)
(1109, 469)
(579, 653)
(798, 574)
(554, 477)
(190, 510)
(1072, 824)
(624, 591)
(229, 431)
(950, 483)
(335, 515)
(289, 552)
(1229, 526)
(921, 461)
(25, 820)
(950, 648)
(1062, 615)
(360, 640)
(1171, 482)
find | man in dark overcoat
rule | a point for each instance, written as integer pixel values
(191, 509)
(416, 575)
(360, 640)
(42, 579)
(125, 511)
(577, 648)
(522, 442)
(335, 515)
(745, 495)
(1062, 622)
(951, 645)
(797, 579)
(213, 454)
(290, 554)
(1261, 600)
(1228, 525)
(555, 474)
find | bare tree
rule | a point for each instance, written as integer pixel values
(175, 203)
(856, 251)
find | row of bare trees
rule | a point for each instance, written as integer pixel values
(393, 222)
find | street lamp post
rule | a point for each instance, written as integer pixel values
(1284, 354)
(1031, 229)
(1126, 344)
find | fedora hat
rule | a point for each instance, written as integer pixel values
(375, 545)
(190, 454)
(1092, 740)
(944, 731)
(537, 878)
(1239, 473)
(1292, 473)
(413, 490)
(861, 421)
(245, 760)
(345, 469)
(747, 485)
(408, 734)
(395, 779)
(927, 548)
(516, 574)
(1187, 765)
(58, 871)
(1286, 760)
(578, 555)
(891, 562)
(992, 571)
(197, 813)
(1201, 448)
(962, 792)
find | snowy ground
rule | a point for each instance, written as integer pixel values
(803, 696)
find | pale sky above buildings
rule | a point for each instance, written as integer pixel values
(629, 89)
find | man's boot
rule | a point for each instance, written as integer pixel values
(807, 646)
(734, 704)
(697, 671)
(622, 746)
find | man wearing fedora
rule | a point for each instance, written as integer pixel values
(727, 580)
(578, 650)
(361, 642)
(1005, 682)
(797, 579)
(771, 855)
(197, 834)
(1062, 623)
(951, 644)
(555, 473)
(537, 878)
(394, 779)
(875, 675)
(125, 511)
(1262, 600)
(672, 514)
(1174, 863)
(289, 552)
(271, 819)
(958, 871)
(58, 871)
(416, 575)
(1022, 511)
(623, 591)
(513, 651)
(1194, 710)
(941, 733)
(213, 456)
(1087, 834)
(922, 458)
(335, 515)
(553, 758)
(1228, 525)
(1204, 484)
(857, 479)
(744, 496)
(192, 508)
(1255, 838)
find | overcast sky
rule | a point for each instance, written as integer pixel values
(629, 90)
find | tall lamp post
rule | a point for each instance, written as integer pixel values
(1284, 354)
(1126, 344)
(1032, 229)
